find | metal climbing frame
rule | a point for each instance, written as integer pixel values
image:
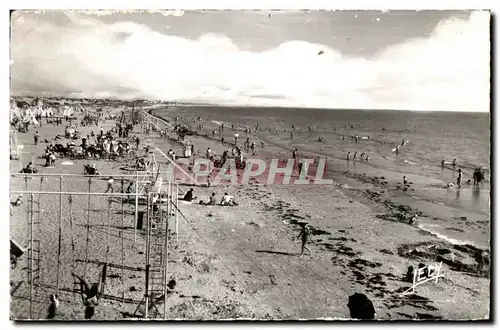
(160, 210)
(33, 208)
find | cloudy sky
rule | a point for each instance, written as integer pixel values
(409, 60)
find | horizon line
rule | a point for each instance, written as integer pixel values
(202, 104)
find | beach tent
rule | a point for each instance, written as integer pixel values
(67, 111)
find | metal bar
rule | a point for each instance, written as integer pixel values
(136, 207)
(60, 236)
(31, 259)
(177, 166)
(123, 250)
(69, 175)
(88, 229)
(166, 263)
(147, 257)
(176, 214)
(76, 193)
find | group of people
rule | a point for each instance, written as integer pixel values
(227, 200)
(362, 156)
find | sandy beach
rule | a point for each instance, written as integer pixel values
(243, 261)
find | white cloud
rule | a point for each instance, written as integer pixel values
(449, 70)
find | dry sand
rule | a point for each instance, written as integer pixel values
(243, 262)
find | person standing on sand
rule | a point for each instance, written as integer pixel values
(36, 137)
(454, 163)
(459, 178)
(304, 235)
(348, 155)
(110, 185)
(442, 163)
(405, 182)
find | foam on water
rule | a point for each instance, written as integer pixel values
(444, 237)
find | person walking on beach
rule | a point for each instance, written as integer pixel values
(304, 235)
(110, 185)
(36, 137)
(459, 178)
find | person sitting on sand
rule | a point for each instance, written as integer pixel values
(188, 197)
(91, 294)
(413, 219)
(18, 201)
(211, 201)
(304, 235)
(228, 200)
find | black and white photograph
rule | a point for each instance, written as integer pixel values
(269, 165)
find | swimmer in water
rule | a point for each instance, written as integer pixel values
(459, 178)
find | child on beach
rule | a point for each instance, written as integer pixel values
(110, 185)
(304, 234)
(54, 304)
(188, 197)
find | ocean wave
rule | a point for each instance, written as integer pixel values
(444, 237)
(410, 163)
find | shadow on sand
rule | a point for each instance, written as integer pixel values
(277, 252)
